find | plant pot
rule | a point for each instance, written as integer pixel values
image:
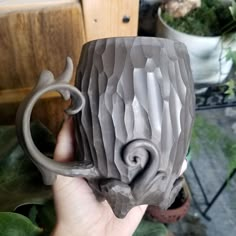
(175, 213)
(207, 54)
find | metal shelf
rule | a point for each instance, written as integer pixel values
(215, 96)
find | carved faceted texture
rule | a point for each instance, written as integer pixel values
(136, 124)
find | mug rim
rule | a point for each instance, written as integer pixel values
(134, 37)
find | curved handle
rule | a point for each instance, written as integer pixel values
(49, 167)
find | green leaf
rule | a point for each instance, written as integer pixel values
(42, 215)
(46, 217)
(215, 137)
(231, 87)
(211, 19)
(20, 180)
(233, 9)
(149, 228)
(33, 214)
(13, 224)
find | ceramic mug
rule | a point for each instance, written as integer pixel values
(133, 108)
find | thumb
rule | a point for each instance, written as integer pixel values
(64, 151)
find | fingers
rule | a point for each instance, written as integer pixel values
(64, 150)
(132, 219)
(136, 213)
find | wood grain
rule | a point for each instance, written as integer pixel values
(31, 41)
(9, 96)
(103, 18)
(7, 6)
(48, 111)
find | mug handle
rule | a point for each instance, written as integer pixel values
(48, 167)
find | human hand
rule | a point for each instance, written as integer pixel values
(77, 209)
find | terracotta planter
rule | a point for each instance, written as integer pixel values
(171, 215)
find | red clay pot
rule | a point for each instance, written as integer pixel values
(170, 215)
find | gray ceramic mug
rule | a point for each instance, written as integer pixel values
(133, 107)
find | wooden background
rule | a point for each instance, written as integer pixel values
(104, 18)
(36, 37)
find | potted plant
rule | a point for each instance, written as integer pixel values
(175, 212)
(208, 30)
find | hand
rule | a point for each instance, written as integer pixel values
(78, 211)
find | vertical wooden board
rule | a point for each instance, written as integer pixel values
(34, 40)
(103, 18)
(50, 112)
(7, 6)
(31, 41)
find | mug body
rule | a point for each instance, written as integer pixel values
(135, 126)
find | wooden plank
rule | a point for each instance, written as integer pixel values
(31, 41)
(104, 18)
(9, 96)
(7, 6)
(48, 111)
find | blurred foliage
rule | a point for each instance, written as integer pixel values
(22, 186)
(149, 228)
(42, 216)
(21, 182)
(26, 203)
(213, 18)
(231, 55)
(204, 131)
(14, 224)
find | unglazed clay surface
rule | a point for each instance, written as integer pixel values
(133, 131)
(136, 123)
